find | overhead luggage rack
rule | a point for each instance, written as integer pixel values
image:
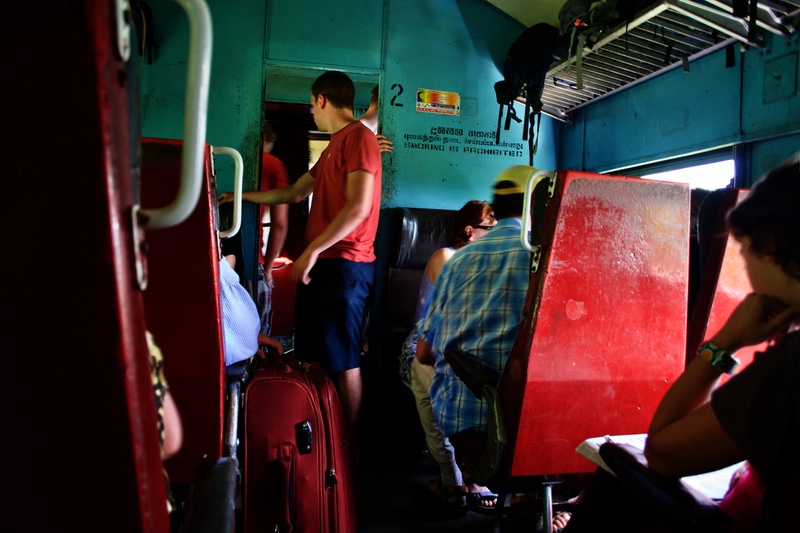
(666, 35)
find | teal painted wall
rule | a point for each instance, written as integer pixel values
(677, 113)
(326, 34)
(457, 46)
(235, 100)
(273, 50)
(769, 153)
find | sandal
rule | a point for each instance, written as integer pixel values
(455, 498)
(480, 499)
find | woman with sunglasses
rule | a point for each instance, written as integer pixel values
(471, 222)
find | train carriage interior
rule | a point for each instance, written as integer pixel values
(126, 119)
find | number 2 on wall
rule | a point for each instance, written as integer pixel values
(399, 89)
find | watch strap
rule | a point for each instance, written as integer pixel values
(718, 357)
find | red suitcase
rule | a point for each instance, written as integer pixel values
(298, 472)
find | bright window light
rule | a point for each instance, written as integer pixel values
(710, 177)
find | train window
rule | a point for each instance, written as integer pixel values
(709, 176)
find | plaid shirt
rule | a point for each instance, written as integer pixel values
(476, 307)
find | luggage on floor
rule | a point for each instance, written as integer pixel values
(298, 464)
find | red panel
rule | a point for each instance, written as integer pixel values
(723, 285)
(182, 305)
(604, 328)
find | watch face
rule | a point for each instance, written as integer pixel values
(727, 363)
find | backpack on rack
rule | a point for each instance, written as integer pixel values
(585, 22)
(524, 71)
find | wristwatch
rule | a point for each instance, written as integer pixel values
(717, 357)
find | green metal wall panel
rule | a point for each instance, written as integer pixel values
(455, 46)
(772, 78)
(338, 33)
(235, 92)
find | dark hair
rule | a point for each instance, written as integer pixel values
(472, 214)
(770, 216)
(269, 133)
(373, 95)
(337, 87)
(508, 205)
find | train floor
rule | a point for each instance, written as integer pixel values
(394, 498)
(394, 470)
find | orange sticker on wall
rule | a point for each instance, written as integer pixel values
(442, 102)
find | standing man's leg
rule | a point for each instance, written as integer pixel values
(351, 294)
(329, 322)
(351, 392)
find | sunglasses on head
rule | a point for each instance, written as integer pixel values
(487, 228)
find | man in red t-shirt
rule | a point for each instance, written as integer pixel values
(273, 176)
(335, 272)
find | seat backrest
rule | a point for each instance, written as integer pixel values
(724, 282)
(603, 330)
(406, 239)
(183, 307)
(698, 197)
(665, 500)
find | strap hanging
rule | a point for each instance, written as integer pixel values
(499, 122)
(751, 30)
(527, 113)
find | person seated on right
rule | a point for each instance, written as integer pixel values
(755, 416)
(476, 307)
(471, 222)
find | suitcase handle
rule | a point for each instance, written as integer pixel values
(283, 364)
(286, 461)
(274, 360)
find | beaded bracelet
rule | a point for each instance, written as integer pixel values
(718, 358)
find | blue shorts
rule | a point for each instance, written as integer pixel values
(329, 313)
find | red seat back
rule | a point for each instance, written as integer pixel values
(603, 331)
(76, 336)
(724, 282)
(182, 305)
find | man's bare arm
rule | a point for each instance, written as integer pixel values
(278, 228)
(291, 194)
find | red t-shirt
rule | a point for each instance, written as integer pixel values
(352, 148)
(273, 175)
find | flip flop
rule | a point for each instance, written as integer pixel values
(481, 500)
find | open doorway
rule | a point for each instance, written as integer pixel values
(295, 129)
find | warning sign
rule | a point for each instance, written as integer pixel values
(442, 102)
